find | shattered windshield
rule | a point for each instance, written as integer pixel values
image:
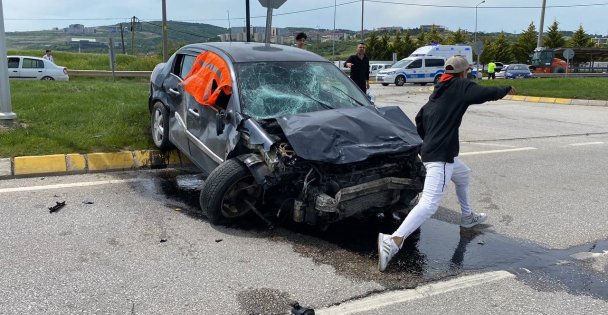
(274, 89)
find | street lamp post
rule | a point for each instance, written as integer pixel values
(475, 34)
(6, 114)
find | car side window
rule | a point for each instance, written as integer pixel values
(183, 64)
(13, 62)
(415, 64)
(434, 62)
(32, 64)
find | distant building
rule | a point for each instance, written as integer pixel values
(429, 28)
(257, 33)
(599, 41)
(79, 29)
(390, 29)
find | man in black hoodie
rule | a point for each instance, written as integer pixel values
(437, 123)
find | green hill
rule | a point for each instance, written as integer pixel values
(146, 40)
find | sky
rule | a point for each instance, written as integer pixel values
(31, 15)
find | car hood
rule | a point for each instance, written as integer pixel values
(341, 136)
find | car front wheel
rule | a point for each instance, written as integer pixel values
(229, 192)
(384, 84)
(400, 80)
(47, 78)
(160, 126)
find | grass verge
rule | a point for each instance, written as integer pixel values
(580, 88)
(79, 116)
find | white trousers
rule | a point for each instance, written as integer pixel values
(437, 179)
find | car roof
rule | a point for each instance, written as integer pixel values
(255, 52)
(25, 57)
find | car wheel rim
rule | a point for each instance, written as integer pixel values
(400, 80)
(240, 197)
(158, 126)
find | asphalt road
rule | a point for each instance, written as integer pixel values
(133, 242)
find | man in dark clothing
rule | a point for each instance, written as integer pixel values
(359, 68)
(437, 123)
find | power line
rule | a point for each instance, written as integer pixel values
(487, 7)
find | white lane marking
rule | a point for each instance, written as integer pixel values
(375, 302)
(57, 186)
(497, 151)
(493, 144)
(586, 143)
(588, 255)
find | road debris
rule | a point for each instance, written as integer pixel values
(56, 207)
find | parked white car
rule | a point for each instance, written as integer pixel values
(374, 68)
(34, 68)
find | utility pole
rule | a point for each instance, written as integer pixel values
(539, 43)
(333, 35)
(133, 36)
(248, 20)
(229, 27)
(122, 39)
(362, 6)
(6, 113)
(165, 44)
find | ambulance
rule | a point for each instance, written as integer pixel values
(424, 65)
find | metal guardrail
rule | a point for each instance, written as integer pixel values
(108, 74)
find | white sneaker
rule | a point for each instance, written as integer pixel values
(386, 250)
(473, 219)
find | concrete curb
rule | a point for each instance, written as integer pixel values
(57, 164)
(555, 100)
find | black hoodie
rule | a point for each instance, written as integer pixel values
(438, 120)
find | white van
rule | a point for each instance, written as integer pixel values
(374, 68)
(424, 65)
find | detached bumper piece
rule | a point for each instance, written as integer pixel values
(378, 193)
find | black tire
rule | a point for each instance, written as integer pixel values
(160, 126)
(384, 84)
(423, 83)
(399, 80)
(437, 78)
(228, 191)
(47, 78)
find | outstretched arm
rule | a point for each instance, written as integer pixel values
(476, 94)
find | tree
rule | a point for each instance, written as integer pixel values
(434, 37)
(372, 45)
(421, 39)
(384, 52)
(502, 49)
(458, 37)
(554, 38)
(397, 45)
(580, 38)
(525, 44)
(408, 45)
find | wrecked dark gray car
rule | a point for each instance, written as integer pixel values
(283, 133)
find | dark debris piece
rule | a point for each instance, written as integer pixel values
(56, 207)
(163, 240)
(296, 309)
(218, 240)
(88, 202)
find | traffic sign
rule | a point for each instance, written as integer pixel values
(478, 47)
(275, 4)
(568, 53)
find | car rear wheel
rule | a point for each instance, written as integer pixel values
(160, 126)
(384, 84)
(400, 80)
(229, 192)
(47, 78)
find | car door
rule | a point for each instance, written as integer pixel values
(207, 147)
(177, 99)
(414, 71)
(31, 69)
(13, 67)
(433, 67)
